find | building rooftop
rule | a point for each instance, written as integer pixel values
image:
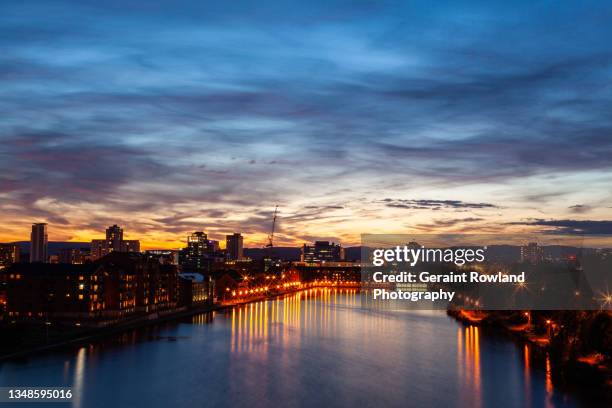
(49, 269)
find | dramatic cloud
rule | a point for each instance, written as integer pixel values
(449, 223)
(572, 227)
(171, 116)
(433, 204)
(580, 208)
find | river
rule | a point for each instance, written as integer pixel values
(314, 348)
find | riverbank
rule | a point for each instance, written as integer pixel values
(558, 339)
(80, 335)
(76, 336)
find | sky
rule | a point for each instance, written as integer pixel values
(168, 117)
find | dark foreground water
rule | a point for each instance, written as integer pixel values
(312, 349)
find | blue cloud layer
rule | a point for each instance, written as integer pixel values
(148, 105)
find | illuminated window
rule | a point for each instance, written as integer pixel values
(81, 296)
(81, 286)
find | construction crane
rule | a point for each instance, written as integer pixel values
(270, 243)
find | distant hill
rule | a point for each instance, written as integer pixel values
(503, 253)
(54, 247)
(293, 254)
(352, 253)
(284, 253)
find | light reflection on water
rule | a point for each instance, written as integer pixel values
(313, 348)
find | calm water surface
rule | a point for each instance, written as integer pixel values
(317, 348)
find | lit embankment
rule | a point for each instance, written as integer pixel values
(578, 344)
(250, 294)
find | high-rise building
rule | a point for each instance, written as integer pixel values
(39, 243)
(114, 236)
(233, 246)
(114, 242)
(322, 251)
(532, 253)
(9, 254)
(199, 254)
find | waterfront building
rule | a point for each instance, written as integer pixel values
(117, 286)
(234, 246)
(228, 281)
(39, 243)
(195, 289)
(42, 292)
(322, 251)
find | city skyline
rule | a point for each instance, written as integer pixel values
(234, 243)
(381, 118)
